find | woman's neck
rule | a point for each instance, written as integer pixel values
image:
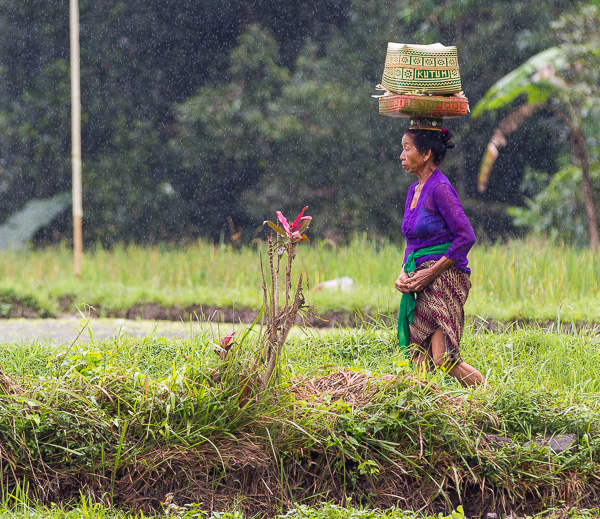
(425, 173)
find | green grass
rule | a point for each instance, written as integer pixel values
(97, 409)
(528, 280)
(520, 356)
(130, 419)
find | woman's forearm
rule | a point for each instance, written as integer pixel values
(442, 265)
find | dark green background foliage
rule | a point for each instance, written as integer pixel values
(198, 111)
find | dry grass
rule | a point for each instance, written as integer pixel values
(350, 387)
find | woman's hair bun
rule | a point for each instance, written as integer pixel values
(447, 137)
(439, 142)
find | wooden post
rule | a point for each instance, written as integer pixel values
(76, 137)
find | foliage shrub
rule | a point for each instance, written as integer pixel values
(555, 206)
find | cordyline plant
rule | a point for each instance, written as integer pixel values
(280, 319)
(223, 348)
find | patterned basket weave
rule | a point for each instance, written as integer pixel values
(423, 106)
(423, 69)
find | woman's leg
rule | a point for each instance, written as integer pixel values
(422, 358)
(467, 375)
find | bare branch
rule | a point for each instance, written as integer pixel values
(288, 276)
(277, 346)
(272, 270)
(277, 280)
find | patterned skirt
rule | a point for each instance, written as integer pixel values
(441, 305)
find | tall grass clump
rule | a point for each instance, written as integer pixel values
(535, 279)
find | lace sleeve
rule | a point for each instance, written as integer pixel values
(446, 201)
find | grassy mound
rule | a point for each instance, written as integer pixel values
(134, 420)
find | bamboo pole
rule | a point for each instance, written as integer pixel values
(76, 137)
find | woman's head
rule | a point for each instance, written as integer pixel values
(435, 140)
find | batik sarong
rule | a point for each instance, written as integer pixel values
(440, 305)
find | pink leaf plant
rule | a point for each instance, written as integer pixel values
(293, 233)
(226, 344)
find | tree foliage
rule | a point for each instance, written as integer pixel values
(562, 79)
(554, 205)
(196, 112)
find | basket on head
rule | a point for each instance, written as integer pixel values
(421, 69)
(423, 106)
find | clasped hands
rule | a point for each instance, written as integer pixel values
(416, 283)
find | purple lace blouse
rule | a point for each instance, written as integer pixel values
(437, 218)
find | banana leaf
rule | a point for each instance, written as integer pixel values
(20, 227)
(536, 78)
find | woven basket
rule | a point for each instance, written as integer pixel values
(422, 69)
(423, 106)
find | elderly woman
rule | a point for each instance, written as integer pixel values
(435, 276)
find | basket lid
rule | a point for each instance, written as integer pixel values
(433, 47)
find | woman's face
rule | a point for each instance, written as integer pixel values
(412, 160)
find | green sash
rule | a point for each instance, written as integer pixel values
(407, 303)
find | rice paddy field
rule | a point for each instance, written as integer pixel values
(154, 426)
(525, 280)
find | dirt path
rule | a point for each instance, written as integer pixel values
(67, 329)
